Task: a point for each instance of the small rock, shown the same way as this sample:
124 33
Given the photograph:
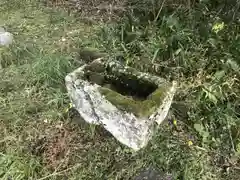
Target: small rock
6 38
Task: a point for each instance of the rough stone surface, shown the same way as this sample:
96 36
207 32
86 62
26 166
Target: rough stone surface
127 126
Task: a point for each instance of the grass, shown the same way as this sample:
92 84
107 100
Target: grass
38 140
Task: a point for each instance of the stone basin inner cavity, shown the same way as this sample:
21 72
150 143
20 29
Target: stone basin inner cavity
127 88
124 84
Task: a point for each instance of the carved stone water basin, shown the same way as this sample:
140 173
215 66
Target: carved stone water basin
126 102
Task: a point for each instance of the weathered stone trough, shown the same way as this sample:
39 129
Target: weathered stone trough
128 103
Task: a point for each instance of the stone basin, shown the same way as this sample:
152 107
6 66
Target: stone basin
128 103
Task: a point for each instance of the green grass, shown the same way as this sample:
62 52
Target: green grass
38 140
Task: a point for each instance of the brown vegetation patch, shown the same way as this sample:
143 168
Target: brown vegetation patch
103 10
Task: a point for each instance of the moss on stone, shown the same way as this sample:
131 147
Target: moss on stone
139 108
121 102
95 66
97 78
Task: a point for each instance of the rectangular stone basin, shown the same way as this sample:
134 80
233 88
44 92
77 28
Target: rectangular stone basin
128 103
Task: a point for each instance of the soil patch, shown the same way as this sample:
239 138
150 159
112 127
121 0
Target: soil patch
92 10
